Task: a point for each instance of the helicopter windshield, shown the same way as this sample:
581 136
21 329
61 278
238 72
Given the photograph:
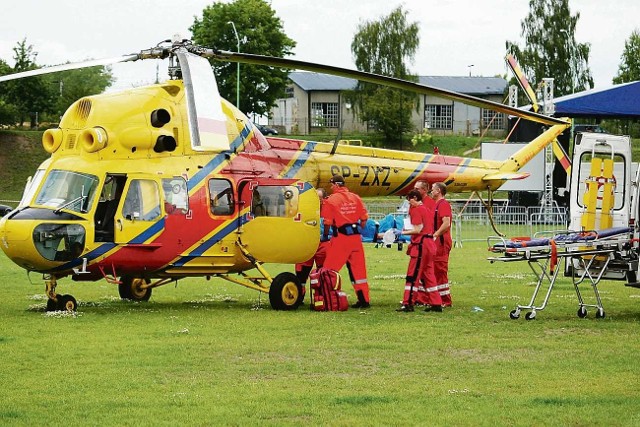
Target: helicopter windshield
31 187
73 191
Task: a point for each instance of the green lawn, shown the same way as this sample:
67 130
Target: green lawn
213 353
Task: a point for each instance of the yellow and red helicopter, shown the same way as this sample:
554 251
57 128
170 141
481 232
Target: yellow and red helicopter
158 183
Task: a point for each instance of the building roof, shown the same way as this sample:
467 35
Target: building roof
467 85
316 81
309 81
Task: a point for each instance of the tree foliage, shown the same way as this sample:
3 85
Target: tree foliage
69 86
629 68
47 96
30 96
384 47
550 48
260 32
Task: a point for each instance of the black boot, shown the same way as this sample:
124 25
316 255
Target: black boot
362 303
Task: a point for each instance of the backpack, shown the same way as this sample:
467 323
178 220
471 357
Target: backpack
326 292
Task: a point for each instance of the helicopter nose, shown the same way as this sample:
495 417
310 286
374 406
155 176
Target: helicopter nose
18 240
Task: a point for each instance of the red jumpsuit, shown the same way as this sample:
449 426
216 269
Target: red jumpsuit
304 268
443 247
420 284
343 210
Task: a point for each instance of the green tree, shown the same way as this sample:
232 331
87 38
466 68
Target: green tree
31 96
69 86
260 32
8 113
550 48
629 68
384 47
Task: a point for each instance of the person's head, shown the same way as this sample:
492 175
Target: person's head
414 197
438 190
321 194
337 181
422 187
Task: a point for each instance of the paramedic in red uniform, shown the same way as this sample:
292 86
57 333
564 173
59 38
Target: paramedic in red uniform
345 211
424 188
442 237
304 268
421 251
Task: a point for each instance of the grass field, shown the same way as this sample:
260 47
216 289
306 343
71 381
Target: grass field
212 353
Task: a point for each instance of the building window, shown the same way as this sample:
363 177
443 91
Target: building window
438 116
324 114
493 120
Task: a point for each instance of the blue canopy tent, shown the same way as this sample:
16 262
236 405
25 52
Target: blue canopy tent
617 102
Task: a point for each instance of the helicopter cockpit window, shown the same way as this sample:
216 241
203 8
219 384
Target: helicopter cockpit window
68 190
279 201
142 201
176 199
221 197
31 187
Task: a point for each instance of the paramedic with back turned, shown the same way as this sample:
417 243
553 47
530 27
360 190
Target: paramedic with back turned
346 212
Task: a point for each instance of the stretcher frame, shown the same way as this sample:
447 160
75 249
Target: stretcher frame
592 256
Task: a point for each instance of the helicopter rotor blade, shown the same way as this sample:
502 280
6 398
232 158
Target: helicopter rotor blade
70 66
379 79
207 122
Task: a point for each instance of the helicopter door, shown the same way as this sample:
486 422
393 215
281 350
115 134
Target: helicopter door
282 220
138 211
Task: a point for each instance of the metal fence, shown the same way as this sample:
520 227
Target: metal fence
471 221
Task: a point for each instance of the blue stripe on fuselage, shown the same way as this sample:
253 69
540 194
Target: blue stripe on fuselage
301 160
417 171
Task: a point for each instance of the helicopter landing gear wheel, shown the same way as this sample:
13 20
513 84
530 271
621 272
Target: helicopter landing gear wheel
514 314
285 291
600 313
582 312
62 303
132 288
530 315
67 303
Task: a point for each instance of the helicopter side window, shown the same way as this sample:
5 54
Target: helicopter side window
176 199
221 197
275 201
142 201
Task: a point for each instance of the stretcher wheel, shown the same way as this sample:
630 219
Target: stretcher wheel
530 315
600 313
515 314
582 312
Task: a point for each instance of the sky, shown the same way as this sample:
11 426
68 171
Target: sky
457 37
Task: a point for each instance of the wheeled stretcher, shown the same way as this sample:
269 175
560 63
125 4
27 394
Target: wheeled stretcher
588 256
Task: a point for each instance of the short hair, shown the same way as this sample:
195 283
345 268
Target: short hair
414 194
422 184
442 187
337 179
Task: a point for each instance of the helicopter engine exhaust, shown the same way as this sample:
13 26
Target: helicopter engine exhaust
160 117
